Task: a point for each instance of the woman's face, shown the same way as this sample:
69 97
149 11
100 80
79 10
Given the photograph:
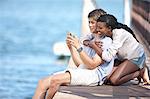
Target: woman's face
92 25
101 28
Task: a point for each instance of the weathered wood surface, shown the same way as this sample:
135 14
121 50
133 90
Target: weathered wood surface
126 91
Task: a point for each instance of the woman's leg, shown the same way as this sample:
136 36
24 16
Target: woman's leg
53 82
107 80
144 75
114 68
116 63
125 72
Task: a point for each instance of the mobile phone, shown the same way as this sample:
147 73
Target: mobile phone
70 34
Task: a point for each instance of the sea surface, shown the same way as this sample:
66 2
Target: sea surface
28 31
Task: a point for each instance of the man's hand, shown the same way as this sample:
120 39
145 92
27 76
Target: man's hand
73 41
67 41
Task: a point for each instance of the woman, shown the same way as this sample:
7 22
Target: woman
125 46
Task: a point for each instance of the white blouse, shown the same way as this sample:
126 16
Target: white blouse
124 45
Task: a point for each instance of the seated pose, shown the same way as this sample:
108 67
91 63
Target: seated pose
94 74
127 49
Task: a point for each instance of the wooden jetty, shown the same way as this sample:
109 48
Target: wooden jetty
140 22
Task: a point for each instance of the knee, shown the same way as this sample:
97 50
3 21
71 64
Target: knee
45 83
41 84
114 81
54 81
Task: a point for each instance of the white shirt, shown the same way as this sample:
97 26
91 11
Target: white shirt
104 69
124 45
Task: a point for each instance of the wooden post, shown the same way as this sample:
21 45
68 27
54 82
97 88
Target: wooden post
127 12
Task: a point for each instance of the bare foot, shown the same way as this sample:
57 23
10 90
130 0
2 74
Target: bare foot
146 83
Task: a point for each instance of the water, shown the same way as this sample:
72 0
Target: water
28 30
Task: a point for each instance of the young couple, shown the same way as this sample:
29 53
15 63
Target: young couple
95 55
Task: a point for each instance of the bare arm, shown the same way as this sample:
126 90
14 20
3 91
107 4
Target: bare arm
74 54
91 63
94 43
76 57
97 47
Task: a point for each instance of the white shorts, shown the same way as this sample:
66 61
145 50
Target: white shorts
83 77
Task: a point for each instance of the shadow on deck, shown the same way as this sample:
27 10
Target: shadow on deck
127 91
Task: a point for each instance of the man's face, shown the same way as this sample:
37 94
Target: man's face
92 25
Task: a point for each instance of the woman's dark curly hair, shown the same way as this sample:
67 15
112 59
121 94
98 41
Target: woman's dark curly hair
112 22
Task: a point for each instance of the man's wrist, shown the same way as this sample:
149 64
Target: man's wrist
80 49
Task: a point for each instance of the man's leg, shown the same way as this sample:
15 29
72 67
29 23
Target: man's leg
52 83
56 82
42 86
